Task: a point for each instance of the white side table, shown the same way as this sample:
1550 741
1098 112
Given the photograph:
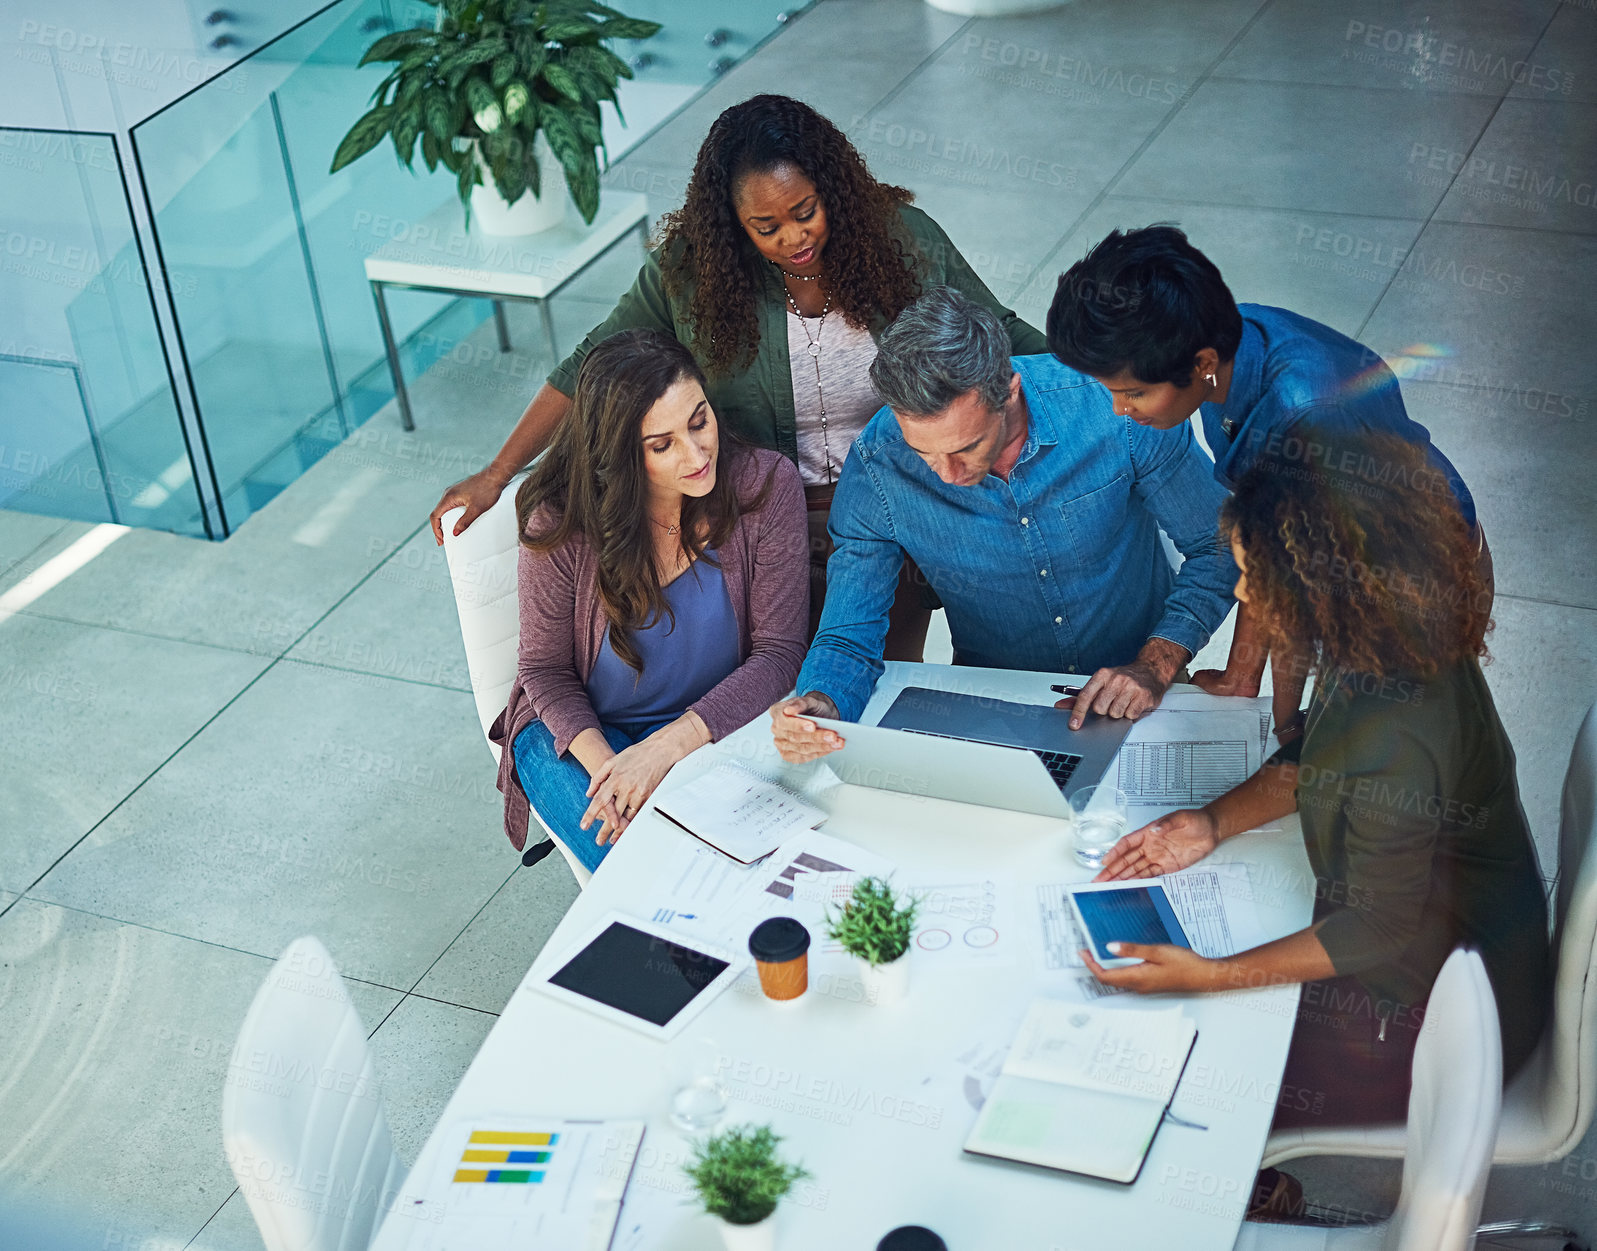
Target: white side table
439 254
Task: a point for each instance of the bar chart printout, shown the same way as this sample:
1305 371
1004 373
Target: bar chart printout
513 1182
506 1157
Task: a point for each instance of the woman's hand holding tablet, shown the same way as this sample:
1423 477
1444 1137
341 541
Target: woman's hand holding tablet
1161 967
1111 915
1136 942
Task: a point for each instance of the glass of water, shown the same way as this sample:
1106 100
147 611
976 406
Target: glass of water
700 1099
1099 823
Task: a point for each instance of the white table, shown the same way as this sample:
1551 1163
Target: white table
439 254
870 1098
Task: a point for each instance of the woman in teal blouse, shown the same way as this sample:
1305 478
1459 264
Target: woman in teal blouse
784 238
1404 782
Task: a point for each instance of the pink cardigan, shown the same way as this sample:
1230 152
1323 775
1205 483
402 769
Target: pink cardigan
765 565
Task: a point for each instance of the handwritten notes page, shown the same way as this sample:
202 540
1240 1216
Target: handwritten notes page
1084 1088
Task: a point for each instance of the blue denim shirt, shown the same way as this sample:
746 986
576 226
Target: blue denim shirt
1059 569
1291 370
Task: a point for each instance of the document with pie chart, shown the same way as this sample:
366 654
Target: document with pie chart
962 922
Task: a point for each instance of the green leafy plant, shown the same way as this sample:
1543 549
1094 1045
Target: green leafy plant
497 73
872 925
739 1176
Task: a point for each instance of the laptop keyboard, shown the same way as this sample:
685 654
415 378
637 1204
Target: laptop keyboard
1060 765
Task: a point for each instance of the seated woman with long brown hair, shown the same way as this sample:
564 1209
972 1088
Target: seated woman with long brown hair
663 588
1404 781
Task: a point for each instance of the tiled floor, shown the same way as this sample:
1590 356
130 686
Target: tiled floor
210 749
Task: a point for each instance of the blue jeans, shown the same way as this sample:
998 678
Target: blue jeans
558 787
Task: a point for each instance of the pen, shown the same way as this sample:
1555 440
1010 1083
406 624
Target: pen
1065 690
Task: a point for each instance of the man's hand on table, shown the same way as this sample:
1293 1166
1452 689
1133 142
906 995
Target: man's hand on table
1130 691
1164 967
797 738
1172 842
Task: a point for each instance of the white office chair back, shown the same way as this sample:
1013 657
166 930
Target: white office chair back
302 1116
482 568
1453 1111
1569 1090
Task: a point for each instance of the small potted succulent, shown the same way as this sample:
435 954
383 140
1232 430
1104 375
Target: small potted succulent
740 1179
505 95
875 928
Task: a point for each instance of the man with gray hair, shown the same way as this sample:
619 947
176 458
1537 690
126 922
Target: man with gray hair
1033 511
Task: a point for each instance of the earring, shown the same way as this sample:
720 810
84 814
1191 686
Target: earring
1211 380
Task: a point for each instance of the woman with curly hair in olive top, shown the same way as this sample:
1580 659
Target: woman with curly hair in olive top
785 261
1404 781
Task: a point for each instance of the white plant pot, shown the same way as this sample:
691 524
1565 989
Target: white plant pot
885 983
492 215
760 1237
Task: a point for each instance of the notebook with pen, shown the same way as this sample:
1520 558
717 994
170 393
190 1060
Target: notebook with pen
1084 1089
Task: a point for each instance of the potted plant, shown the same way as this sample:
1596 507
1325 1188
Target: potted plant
875 929
493 87
740 1180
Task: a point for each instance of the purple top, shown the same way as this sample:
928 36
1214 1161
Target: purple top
765 567
683 659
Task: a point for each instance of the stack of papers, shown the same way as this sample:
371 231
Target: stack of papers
1084 1088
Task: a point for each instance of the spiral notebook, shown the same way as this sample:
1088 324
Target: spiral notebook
739 813
1084 1089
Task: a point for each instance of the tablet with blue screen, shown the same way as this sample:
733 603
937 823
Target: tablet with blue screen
1125 912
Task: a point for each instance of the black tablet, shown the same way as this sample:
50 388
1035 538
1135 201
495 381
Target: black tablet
640 975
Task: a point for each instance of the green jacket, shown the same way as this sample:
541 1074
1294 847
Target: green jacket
757 402
1411 813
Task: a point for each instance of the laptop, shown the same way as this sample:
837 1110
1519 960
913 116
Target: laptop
977 750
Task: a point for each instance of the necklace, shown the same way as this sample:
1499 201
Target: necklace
669 529
815 355
796 277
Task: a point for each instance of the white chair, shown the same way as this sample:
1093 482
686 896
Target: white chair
1547 1109
302 1114
1453 1112
482 569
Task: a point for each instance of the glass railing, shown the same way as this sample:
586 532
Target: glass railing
87 422
53 461
274 321
255 306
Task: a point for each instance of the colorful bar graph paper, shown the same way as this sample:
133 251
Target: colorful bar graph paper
489 1146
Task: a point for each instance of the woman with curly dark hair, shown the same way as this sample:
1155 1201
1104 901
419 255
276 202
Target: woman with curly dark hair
785 261
1403 780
